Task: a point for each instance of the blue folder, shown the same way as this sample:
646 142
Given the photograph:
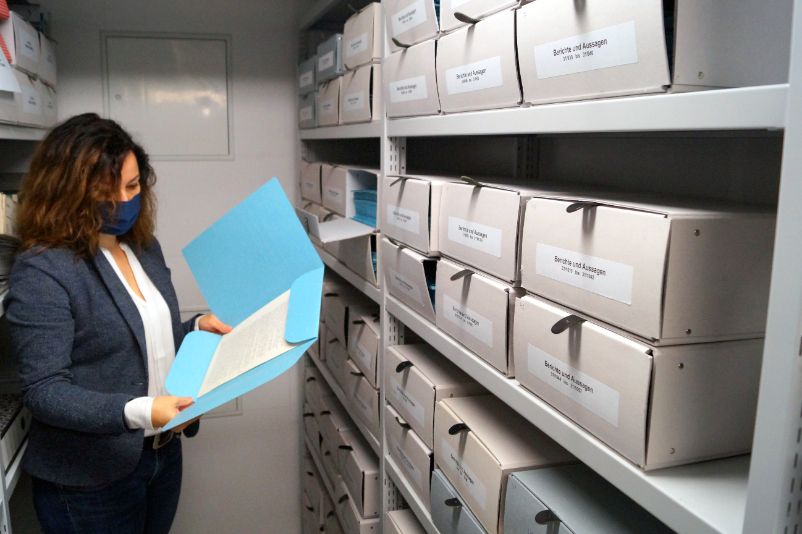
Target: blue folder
250 256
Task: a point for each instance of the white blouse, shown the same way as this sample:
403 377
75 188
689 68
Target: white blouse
159 342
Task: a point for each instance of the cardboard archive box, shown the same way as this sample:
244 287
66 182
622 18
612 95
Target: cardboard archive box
478 442
416 378
450 513
457 13
476 310
612 48
360 472
310 181
360 95
477 66
409 22
352 521
363 399
363 343
402 522
362 42
656 406
410 81
339 184
9 87
671 273
307 110
22 42
411 207
359 254
307 76
409 277
49 104
337 359
409 452
328 103
330 59
48 70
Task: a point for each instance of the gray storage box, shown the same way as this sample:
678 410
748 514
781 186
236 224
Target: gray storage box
572 499
307 111
450 514
307 80
330 58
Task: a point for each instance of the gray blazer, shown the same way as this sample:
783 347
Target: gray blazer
80 345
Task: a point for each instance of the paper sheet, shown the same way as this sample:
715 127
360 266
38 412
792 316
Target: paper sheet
254 341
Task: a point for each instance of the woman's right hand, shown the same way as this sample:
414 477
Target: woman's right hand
166 407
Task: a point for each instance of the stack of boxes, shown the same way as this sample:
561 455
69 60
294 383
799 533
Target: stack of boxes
487 54
27 74
347 74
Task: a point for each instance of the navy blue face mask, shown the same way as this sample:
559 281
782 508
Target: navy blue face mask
123 220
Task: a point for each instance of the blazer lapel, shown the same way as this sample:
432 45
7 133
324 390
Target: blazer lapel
123 301
157 271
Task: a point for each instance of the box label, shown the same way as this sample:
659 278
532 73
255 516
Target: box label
406 402
326 61
581 388
405 287
356 45
468 320
476 236
466 477
305 114
31 102
307 78
29 42
408 466
408 90
477 76
600 49
354 101
604 277
327 107
407 220
411 16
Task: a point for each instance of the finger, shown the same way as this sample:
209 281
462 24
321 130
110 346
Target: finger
184 402
220 326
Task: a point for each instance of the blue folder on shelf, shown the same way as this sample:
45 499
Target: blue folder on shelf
249 257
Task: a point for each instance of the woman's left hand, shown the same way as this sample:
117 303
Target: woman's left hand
210 323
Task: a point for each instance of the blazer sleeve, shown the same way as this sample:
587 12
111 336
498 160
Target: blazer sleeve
42 330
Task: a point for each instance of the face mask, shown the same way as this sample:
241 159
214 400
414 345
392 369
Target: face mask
123 220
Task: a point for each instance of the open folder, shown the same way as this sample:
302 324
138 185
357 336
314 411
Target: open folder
259 273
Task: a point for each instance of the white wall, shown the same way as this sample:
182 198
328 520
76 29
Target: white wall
241 472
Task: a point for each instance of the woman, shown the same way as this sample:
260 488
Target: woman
95 326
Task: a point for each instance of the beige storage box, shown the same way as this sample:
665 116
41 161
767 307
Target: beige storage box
48 71
674 273
49 104
411 206
358 253
457 13
408 22
479 441
332 524
416 377
337 360
363 399
362 41
30 109
408 276
316 391
450 514
352 522
476 66
600 48
360 472
22 43
310 515
360 95
402 522
409 452
328 103
307 75
363 344
336 303
339 183
410 81
476 310
311 427
9 87
307 110
657 406
310 181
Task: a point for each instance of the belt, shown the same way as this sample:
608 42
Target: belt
158 441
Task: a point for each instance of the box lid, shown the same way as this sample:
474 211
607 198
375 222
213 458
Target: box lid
432 365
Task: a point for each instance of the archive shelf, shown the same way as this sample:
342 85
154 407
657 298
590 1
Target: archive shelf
708 497
749 108
338 392
328 487
345 131
418 507
14 471
371 291
13 132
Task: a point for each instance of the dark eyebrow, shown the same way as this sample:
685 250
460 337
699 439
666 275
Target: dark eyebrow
133 180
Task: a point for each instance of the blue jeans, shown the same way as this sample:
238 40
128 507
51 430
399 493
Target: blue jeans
143 502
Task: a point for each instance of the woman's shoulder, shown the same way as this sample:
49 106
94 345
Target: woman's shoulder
55 261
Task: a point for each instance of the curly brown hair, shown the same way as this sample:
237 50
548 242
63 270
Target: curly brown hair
73 172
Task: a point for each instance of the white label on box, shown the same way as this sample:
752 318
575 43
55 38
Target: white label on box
581 388
474 235
467 477
356 45
327 107
29 43
307 78
354 101
408 466
600 49
477 76
326 61
466 319
597 275
305 114
412 15
31 101
408 90
406 402
405 286
407 220
334 193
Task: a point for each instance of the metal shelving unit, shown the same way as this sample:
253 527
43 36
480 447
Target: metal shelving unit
14 471
744 494
13 132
